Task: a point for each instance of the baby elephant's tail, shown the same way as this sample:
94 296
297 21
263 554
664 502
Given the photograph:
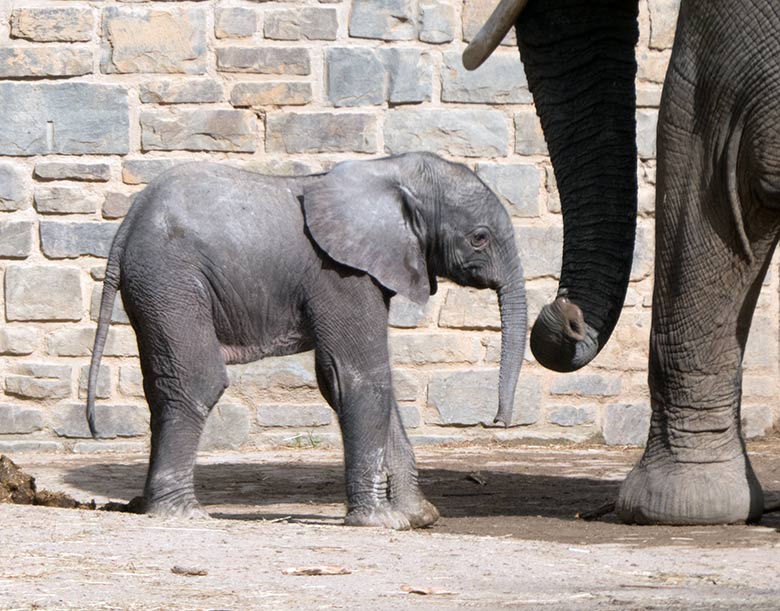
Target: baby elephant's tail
110 288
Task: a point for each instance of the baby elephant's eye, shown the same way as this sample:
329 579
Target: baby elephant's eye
479 239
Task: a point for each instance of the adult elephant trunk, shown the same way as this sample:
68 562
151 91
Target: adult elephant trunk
580 64
514 323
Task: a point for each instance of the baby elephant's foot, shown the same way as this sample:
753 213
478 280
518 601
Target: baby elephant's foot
420 514
397 517
188 509
382 516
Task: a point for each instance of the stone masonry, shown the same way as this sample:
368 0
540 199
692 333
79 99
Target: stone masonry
97 97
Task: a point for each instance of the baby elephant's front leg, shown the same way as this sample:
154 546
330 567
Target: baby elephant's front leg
380 470
381 474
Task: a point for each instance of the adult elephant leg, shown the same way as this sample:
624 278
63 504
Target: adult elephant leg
353 372
712 252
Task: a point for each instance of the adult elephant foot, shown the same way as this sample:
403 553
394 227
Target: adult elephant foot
678 493
397 517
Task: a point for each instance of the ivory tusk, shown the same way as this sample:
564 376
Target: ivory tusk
492 33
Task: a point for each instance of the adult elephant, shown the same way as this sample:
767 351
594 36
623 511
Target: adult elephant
718 191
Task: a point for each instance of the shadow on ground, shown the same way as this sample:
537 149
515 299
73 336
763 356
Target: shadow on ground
498 493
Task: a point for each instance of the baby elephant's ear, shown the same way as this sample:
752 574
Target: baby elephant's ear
358 215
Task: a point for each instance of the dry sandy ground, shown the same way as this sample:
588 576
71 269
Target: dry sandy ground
508 539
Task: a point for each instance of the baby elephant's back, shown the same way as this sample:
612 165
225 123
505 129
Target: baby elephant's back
218 216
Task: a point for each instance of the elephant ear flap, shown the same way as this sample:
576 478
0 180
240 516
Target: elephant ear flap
360 217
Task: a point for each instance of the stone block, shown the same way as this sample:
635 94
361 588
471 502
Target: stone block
471 309
529 138
264 60
44 62
652 66
475 14
17 341
258 95
227 428
111 421
199 130
356 77
131 381
410 75
757 420
500 80
15 239
586 385
65 200
302 416
118 314
458 133
65 170
626 424
12 448
438 21
103 390
663 22
406 384
467 398
761 348
644 251
551 187
39 381
116 205
421 349
71 240
13 190
296 133
763 387
20 419
292 372
141 40
406 314
143 171
305 23
383 20
519 186
46 24
63 118
193 91
540 250
646 123
235 22
410 416
43 293
648 95
78 341
110 447
571 415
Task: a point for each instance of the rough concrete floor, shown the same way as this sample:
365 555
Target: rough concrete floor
508 539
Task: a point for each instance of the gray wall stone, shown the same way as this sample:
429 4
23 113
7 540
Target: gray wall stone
295 133
462 133
13 194
626 424
199 130
61 240
43 293
264 60
64 118
227 428
111 421
20 419
15 239
383 20
52 24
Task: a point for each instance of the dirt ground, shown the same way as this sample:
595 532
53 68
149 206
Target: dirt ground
508 539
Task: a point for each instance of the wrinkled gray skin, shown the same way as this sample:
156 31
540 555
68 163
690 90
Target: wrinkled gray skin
219 266
717 224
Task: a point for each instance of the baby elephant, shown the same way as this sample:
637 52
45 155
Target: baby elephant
219 266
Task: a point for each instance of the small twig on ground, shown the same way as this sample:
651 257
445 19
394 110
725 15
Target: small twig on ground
596 513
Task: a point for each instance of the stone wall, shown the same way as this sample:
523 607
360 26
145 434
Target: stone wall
97 97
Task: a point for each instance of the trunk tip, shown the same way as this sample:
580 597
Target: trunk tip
561 340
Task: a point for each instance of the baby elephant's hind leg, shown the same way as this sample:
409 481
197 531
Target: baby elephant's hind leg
184 376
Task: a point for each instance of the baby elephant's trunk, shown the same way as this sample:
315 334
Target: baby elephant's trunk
514 324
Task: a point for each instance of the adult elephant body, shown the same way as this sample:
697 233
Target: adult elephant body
219 266
718 193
